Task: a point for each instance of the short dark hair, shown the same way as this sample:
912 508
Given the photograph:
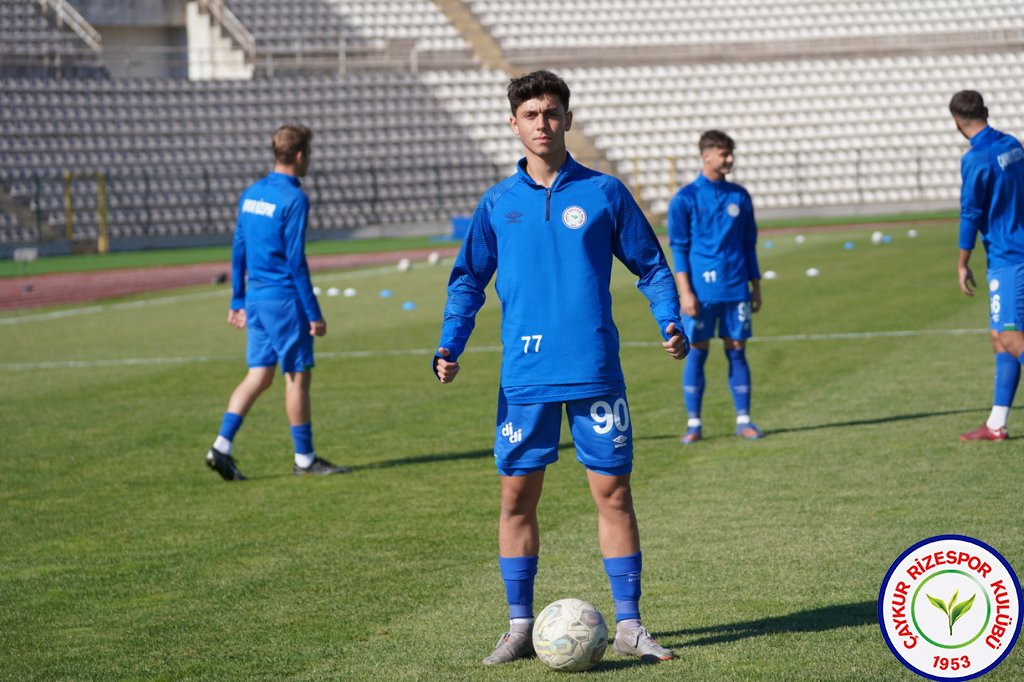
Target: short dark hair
534 85
289 140
710 139
968 105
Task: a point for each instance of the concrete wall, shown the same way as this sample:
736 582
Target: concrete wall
132 12
141 38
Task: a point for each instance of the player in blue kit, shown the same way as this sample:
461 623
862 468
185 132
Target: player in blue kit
551 231
713 237
992 205
276 304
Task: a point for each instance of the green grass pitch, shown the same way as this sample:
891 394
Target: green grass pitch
123 557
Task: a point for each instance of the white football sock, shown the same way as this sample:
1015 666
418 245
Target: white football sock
305 461
742 419
997 419
520 624
693 423
222 444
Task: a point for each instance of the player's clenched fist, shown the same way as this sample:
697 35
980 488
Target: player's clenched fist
444 369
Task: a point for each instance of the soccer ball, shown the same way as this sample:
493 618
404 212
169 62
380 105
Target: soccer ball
570 635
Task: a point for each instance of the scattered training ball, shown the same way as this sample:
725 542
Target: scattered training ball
333 291
876 237
769 274
848 246
317 291
799 239
404 265
434 258
812 272
911 233
385 293
349 292
408 305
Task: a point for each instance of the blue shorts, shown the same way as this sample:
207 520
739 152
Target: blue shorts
278 332
526 436
1006 299
731 321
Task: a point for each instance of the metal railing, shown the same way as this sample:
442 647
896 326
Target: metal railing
230 23
69 16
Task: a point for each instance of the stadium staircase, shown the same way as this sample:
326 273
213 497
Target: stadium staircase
230 49
489 53
485 48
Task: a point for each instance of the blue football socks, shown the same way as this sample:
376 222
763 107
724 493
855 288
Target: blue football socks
693 381
739 380
302 435
519 574
228 428
624 577
230 424
1007 378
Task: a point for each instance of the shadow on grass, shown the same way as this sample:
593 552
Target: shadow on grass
815 620
832 425
425 459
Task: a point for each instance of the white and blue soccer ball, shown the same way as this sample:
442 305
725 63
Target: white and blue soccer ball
570 635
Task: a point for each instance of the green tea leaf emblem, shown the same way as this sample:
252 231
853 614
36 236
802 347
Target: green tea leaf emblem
953 611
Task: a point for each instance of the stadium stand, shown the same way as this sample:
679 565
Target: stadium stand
36 40
837 107
325 30
176 154
612 30
810 133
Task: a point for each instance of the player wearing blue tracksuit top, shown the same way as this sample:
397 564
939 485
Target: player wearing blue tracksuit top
269 246
992 205
550 233
272 299
713 237
556 246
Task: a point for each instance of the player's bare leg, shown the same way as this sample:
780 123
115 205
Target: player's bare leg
256 381
518 536
1007 376
297 407
619 536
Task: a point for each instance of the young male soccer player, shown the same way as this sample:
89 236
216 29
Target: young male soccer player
276 306
550 231
713 238
992 204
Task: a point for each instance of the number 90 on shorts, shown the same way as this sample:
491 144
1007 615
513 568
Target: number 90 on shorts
527 436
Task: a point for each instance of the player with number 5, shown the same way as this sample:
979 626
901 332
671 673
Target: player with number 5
713 238
551 231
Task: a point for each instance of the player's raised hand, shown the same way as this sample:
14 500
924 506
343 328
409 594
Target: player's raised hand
677 345
444 369
967 283
236 318
318 328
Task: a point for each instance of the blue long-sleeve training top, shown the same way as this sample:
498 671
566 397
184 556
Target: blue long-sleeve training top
992 197
713 237
270 245
552 249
